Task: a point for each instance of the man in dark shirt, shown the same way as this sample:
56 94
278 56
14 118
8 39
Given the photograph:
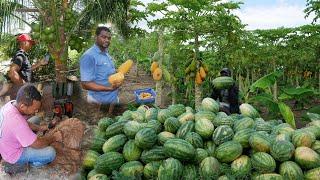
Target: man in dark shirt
228 98
20 71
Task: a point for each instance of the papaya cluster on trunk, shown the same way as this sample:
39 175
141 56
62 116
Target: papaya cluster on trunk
196 70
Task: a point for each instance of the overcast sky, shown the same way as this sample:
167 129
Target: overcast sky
268 14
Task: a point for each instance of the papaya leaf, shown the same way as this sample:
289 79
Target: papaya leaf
287 114
266 81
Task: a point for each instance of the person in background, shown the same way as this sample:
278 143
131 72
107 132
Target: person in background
20 70
19 145
96 65
228 98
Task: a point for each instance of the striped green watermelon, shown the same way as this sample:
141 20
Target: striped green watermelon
132 168
200 155
185 129
241 167
179 149
194 139
89 159
155 125
303 138
209 104
210 147
269 176
151 113
145 138
131 128
243 123
283 128
164 136
224 120
99 177
190 172
177 109
163 114
154 154
263 126
142 108
204 115
151 169
131 152
263 162
316 146
209 168
290 170
138 116
104 123
170 169
260 142
115 129
282 150
171 124
283 137
91 173
313 129
108 162
248 111
97 143
307 158
312 174
114 143
223 82
222 134
242 136
204 128
228 151
127 115
187 116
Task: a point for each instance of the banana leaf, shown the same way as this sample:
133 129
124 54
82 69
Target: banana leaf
287 114
266 100
266 81
296 93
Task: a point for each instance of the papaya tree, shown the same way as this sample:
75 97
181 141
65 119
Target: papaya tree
57 21
191 22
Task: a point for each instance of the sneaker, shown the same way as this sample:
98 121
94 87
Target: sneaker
14 168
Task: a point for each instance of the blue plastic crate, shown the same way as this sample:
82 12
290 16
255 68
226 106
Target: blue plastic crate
137 92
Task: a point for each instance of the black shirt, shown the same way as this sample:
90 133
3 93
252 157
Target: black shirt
22 60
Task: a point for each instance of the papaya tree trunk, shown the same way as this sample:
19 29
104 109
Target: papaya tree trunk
197 88
159 83
297 78
174 94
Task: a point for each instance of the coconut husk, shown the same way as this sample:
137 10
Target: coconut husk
68 152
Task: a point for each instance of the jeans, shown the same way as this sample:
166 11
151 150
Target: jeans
37 157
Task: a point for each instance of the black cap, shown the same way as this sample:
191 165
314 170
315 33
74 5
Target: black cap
225 72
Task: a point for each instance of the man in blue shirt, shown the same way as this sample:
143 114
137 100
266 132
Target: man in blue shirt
96 65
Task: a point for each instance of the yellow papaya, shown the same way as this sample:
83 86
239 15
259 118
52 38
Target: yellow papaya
116 78
125 67
202 73
154 66
198 79
157 74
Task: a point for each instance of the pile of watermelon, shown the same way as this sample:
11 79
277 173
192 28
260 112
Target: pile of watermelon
181 143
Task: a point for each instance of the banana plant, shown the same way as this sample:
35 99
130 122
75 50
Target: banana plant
262 88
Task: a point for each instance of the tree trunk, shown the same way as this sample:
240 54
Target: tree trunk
159 83
197 88
297 78
174 94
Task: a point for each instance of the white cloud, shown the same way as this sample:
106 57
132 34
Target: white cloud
280 15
